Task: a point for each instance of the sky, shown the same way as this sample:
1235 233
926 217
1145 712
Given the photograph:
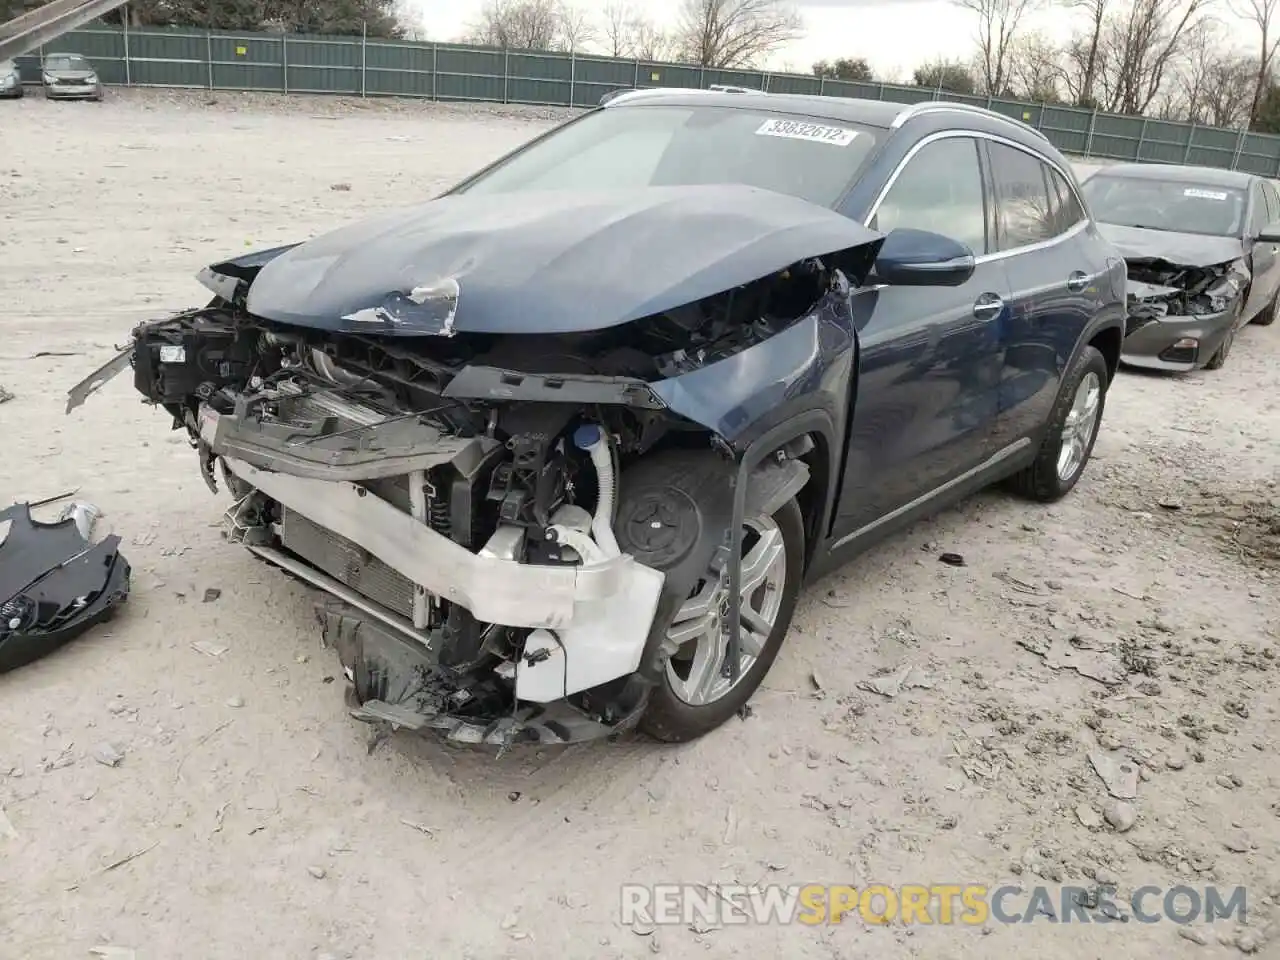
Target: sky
894 36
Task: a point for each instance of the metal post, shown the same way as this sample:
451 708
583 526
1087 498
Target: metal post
284 60
767 77
822 85
881 89
1040 116
506 74
364 60
208 53
635 83
128 76
573 76
435 71
1235 159
702 78
1088 143
1191 139
1142 138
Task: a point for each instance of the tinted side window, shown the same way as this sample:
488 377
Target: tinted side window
1067 211
940 189
1022 197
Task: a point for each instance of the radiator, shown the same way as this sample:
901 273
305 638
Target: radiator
347 562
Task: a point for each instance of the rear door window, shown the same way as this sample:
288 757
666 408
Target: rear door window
940 190
1023 208
1066 208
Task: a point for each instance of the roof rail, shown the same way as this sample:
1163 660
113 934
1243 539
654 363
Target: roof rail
639 93
945 106
730 88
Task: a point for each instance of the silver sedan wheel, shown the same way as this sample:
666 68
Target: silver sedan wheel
1080 426
698 671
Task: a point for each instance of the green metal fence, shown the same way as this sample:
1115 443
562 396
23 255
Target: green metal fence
295 63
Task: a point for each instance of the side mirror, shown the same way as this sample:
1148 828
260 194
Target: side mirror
1270 233
920 258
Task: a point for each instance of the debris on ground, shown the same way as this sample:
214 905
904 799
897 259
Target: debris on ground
111 952
84 515
952 559
1120 776
1121 815
890 685
1088 816
1077 653
211 594
7 831
5 395
209 648
54 584
108 754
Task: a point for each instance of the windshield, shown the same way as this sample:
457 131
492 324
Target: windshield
7 67
641 146
66 62
1166 205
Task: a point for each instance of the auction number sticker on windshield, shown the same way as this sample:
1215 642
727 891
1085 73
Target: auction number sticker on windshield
801 130
1201 194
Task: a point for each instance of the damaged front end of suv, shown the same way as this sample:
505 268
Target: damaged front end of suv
459 421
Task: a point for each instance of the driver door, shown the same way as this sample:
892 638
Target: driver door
927 390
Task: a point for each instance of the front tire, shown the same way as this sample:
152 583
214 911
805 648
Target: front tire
1268 315
1072 431
693 696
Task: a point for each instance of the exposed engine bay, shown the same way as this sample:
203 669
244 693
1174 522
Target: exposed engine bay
1159 289
457 496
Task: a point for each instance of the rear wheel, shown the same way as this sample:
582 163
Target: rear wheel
695 694
1073 429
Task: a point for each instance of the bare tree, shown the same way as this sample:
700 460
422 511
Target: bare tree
1262 14
1035 69
574 28
618 22
734 33
517 25
998 24
1139 49
629 33
1084 51
652 43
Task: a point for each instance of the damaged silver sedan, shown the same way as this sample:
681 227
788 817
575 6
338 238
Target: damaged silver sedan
562 446
1202 251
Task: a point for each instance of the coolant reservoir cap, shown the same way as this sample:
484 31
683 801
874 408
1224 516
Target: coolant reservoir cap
586 436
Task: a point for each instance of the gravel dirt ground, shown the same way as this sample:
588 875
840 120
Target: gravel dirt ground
1137 621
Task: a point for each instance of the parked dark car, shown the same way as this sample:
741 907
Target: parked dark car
10 81
69 76
564 444
1203 252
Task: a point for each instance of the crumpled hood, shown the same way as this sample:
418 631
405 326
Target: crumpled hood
1181 249
550 262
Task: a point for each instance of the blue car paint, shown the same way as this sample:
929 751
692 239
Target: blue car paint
912 390
807 366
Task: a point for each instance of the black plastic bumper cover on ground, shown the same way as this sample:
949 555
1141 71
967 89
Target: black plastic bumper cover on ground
53 585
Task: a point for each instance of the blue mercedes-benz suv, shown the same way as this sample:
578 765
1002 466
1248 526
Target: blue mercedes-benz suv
563 445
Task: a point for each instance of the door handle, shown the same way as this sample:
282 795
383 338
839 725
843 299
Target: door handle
1077 281
988 306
